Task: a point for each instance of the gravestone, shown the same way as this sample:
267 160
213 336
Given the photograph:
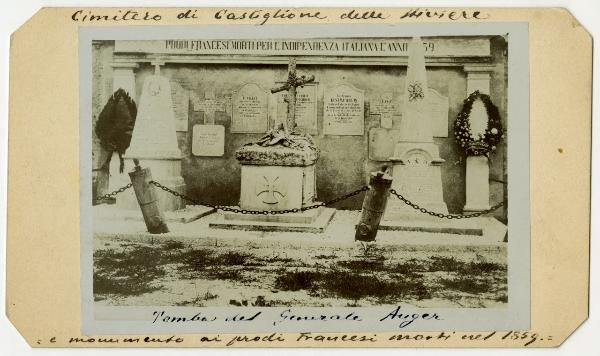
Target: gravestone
343 110
416 160
306 107
250 110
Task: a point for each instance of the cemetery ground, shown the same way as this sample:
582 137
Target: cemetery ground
195 265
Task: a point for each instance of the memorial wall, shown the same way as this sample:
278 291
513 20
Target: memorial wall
352 109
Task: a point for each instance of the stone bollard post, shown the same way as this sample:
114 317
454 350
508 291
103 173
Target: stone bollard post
147 199
373 206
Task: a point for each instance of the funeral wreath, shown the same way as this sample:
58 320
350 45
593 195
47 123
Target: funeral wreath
115 125
484 143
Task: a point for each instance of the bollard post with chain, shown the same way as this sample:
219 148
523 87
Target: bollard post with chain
373 207
147 199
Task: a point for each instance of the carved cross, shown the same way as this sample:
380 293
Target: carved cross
270 189
209 106
290 86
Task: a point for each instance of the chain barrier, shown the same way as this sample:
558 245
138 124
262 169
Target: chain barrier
444 216
309 207
260 212
114 193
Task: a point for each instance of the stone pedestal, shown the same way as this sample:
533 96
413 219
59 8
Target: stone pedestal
418 177
276 187
478 171
477 181
277 178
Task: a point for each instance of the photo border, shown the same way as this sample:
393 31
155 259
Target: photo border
517 313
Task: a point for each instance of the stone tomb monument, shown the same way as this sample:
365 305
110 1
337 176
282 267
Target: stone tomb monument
154 144
416 160
278 173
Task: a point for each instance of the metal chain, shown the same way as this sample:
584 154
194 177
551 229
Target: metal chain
444 216
315 206
260 212
114 193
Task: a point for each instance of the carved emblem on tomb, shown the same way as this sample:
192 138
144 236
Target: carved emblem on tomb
268 190
417 158
415 91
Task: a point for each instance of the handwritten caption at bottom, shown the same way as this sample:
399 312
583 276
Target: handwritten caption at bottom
288 316
509 338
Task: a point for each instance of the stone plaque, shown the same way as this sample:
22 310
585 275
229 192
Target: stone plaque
181 99
386 106
250 110
343 110
208 140
306 107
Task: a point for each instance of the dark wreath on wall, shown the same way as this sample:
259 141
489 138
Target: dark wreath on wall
486 142
115 125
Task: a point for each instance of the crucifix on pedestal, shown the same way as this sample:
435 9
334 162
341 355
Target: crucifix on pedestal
290 86
278 174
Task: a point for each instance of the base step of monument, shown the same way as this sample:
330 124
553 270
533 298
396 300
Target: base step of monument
309 221
459 227
487 228
186 215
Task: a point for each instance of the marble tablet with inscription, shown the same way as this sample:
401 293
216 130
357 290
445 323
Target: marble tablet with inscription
208 140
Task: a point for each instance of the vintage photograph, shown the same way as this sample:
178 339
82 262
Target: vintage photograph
325 171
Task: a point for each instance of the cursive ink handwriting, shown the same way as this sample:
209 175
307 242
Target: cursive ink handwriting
441 14
408 319
287 315
263 16
121 15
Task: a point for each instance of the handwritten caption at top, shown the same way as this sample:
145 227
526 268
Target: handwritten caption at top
264 16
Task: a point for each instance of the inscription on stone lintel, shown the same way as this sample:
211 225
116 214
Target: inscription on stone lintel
356 47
